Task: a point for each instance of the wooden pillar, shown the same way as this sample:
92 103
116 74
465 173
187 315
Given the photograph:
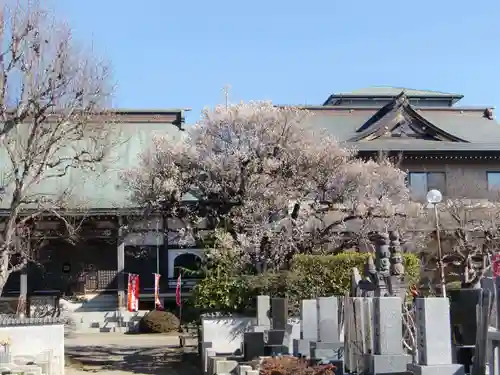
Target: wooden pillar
120 248
164 248
23 292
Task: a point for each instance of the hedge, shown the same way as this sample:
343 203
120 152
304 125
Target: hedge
331 274
310 276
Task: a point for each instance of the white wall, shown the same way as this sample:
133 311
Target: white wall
35 340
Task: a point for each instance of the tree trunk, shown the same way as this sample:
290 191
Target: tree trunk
4 269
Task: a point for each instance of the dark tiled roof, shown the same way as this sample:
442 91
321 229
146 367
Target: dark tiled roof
421 145
340 124
469 125
457 128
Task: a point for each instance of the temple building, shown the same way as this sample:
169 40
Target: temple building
443 145
97 258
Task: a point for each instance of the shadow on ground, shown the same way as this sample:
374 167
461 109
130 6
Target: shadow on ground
138 360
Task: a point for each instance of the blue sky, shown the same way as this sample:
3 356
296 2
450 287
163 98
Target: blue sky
172 54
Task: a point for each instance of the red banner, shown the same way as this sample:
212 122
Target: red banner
157 292
178 291
133 292
495 264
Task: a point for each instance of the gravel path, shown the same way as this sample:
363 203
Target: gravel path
119 354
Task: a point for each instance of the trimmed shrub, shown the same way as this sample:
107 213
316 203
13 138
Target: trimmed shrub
220 292
310 276
320 275
159 322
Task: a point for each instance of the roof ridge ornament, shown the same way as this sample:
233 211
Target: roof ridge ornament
401 99
488 113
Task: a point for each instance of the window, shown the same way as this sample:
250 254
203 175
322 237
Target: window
422 182
493 180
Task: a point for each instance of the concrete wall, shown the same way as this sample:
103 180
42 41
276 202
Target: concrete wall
34 338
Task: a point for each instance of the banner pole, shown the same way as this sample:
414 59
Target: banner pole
180 301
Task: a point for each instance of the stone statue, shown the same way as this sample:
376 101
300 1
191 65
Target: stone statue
385 276
397 279
383 254
397 267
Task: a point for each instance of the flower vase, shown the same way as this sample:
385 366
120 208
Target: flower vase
5 356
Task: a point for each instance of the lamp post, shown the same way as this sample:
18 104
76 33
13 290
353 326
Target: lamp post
434 197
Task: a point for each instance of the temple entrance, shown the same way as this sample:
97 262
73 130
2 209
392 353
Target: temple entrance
141 260
88 266
188 265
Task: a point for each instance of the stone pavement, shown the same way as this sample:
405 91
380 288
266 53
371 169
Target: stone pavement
120 354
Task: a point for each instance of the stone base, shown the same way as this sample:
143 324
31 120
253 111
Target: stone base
225 367
275 350
207 353
211 364
453 369
339 365
302 348
275 337
242 369
333 351
260 328
387 363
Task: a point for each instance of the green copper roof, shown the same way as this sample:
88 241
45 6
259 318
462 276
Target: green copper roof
103 189
394 91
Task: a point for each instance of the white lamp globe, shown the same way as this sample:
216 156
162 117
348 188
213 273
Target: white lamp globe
434 196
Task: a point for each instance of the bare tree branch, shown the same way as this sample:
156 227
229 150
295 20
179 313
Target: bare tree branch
53 97
273 185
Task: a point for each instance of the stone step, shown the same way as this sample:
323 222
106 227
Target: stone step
111 321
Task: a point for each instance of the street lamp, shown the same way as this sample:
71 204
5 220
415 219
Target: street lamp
434 197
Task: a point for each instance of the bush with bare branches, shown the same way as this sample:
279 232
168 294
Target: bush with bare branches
469 223
52 101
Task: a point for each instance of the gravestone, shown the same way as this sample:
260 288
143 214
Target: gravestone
253 345
388 356
309 325
328 349
480 351
434 338
464 304
309 317
279 313
328 319
264 311
275 343
463 315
